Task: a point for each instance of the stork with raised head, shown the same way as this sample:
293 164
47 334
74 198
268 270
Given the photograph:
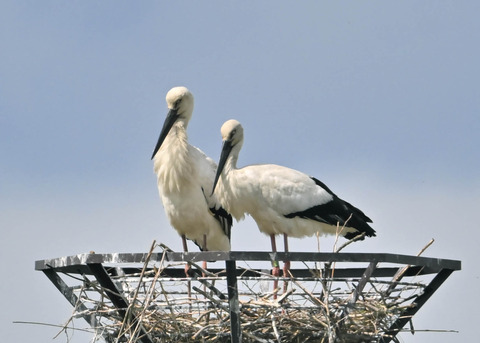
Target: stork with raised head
281 200
185 177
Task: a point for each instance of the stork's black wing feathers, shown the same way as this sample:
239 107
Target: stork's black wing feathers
224 218
337 211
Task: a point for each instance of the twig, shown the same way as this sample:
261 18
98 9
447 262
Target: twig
63 327
274 326
401 272
354 239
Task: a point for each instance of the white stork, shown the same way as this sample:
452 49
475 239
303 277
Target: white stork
185 177
281 200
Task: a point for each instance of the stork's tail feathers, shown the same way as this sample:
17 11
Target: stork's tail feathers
337 212
358 221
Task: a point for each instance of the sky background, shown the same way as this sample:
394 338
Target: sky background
378 99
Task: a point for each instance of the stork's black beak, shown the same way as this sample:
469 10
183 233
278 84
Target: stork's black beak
226 149
167 125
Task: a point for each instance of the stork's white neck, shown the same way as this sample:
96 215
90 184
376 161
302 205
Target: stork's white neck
228 191
230 164
172 162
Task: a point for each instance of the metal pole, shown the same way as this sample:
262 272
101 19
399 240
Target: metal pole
235 328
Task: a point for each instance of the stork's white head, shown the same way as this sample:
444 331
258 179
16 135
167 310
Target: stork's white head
180 106
232 131
180 99
232 136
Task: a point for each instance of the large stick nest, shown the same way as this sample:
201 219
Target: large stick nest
320 308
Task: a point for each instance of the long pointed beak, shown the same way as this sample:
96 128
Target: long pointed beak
226 149
167 125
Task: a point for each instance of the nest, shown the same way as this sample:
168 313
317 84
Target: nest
320 308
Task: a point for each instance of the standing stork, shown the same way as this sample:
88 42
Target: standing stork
281 200
185 177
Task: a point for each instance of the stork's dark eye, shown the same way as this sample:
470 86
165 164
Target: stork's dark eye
176 105
232 133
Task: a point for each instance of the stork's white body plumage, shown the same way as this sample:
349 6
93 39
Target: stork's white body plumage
268 192
185 177
281 200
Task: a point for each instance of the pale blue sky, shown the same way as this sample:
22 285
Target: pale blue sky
379 99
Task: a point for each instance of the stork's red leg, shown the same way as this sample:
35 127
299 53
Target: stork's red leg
187 266
286 263
275 267
204 264
185 249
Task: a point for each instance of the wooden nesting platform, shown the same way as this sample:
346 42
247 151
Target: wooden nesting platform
329 297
